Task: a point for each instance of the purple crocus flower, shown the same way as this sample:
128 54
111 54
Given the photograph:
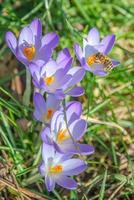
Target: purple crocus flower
56 168
65 138
31 46
93 57
58 77
44 110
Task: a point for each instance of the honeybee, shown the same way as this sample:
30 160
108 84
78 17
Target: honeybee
100 58
105 60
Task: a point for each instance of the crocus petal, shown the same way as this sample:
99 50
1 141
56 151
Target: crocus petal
73 167
60 73
40 106
63 54
93 36
50 39
57 148
76 148
115 62
59 94
85 149
45 134
59 158
52 102
63 82
57 121
34 70
100 73
50 68
36 28
21 58
98 69
60 82
78 52
37 115
39 101
35 81
42 168
44 54
26 35
65 64
89 50
50 183
87 67
78 128
108 43
66 182
48 151
73 111
77 75
11 41
75 92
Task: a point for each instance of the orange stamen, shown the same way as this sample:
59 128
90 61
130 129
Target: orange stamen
29 52
62 135
56 169
47 116
49 113
49 80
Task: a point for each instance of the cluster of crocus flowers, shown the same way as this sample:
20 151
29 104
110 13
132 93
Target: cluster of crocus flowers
54 79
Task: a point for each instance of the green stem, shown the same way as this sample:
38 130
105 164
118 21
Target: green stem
89 94
27 93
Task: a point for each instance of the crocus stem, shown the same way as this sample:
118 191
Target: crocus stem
90 86
65 118
27 93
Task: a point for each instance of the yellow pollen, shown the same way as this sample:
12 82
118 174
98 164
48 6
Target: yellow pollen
29 52
62 135
47 116
91 59
49 80
56 169
49 113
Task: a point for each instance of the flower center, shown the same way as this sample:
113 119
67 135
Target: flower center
49 113
29 52
49 80
47 116
56 169
62 135
91 59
